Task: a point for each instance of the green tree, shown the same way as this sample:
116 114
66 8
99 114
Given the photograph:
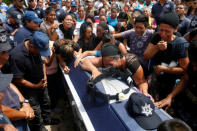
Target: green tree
8 2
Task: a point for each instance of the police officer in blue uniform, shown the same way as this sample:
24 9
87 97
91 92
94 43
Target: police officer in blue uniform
18 5
14 104
31 24
14 21
28 69
33 7
54 4
4 121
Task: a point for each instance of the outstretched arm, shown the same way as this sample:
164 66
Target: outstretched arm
141 82
63 63
91 64
118 35
180 86
122 48
84 54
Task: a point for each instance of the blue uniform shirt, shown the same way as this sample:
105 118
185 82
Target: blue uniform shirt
158 10
184 25
11 99
39 11
10 28
14 8
4 119
24 64
22 34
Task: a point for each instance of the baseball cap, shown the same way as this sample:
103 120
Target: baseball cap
30 15
41 42
53 1
4 42
73 3
141 108
110 50
15 15
5 80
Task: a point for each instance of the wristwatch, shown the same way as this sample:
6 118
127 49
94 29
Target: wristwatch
24 101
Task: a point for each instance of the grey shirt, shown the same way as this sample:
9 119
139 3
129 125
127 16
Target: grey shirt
138 44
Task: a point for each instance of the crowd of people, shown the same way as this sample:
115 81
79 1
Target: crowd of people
155 39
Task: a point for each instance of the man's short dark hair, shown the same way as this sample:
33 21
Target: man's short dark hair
142 19
173 125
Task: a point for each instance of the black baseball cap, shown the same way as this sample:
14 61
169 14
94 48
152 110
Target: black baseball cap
5 80
110 50
15 15
142 109
4 42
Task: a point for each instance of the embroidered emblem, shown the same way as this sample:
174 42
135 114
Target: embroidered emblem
3 38
147 110
19 16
